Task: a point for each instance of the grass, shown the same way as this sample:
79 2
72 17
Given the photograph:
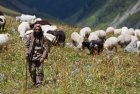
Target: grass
68 70
9 11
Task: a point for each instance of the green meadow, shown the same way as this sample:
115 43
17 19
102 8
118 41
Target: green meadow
68 70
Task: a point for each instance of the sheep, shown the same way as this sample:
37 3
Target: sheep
18 18
131 47
84 32
137 32
22 28
4 38
76 39
101 34
134 46
110 30
138 47
111 43
26 35
60 37
2 22
50 37
46 28
131 31
42 22
93 36
134 38
124 30
117 31
93 45
124 39
38 19
27 18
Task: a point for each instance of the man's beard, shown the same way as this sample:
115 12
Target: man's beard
38 34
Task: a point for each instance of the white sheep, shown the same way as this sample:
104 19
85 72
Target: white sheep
28 18
134 38
46 28
117 31
137 32
76 39
84 32
93 36
4 38
38 19
138 47
26 35
18 18
131 31
111 43
124 30
22 28
110 30
124 39
101 34
48 36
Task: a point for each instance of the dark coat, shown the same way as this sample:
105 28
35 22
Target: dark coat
29 45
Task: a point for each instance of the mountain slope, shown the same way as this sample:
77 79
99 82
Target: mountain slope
107 13
9 11
94 13
23 7
130 17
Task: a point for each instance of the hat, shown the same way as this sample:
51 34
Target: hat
37 25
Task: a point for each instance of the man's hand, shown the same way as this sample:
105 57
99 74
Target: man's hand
27 57
41 60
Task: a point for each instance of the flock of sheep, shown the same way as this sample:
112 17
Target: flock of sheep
27 22
52 32
98 40
107 40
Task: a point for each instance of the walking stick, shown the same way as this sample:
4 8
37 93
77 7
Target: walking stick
26 84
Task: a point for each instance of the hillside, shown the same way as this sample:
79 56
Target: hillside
106 15
23 7
68 70
94 13
8 11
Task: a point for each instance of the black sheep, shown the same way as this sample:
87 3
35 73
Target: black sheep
93 45
60 37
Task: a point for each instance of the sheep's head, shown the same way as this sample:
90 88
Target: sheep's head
85 44
7 34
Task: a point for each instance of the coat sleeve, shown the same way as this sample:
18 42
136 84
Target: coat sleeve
27 44
46 47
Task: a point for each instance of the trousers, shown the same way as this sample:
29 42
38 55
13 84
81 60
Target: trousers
36 71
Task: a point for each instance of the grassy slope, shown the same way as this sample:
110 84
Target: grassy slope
75 71
8 11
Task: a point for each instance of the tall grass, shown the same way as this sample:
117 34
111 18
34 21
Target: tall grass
68 70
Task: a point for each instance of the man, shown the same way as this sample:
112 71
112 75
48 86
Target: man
37 48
